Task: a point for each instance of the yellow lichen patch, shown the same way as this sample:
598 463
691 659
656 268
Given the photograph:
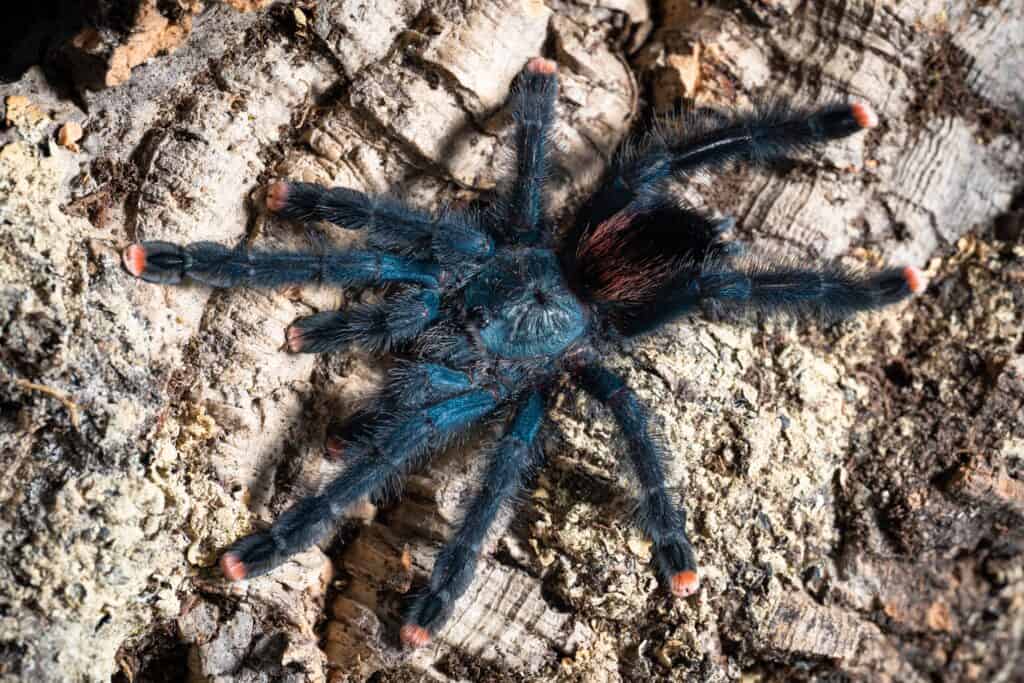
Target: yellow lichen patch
21 112
151 34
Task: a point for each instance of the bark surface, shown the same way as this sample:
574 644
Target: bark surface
856 490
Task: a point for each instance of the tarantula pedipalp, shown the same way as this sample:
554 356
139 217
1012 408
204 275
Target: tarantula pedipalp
495 306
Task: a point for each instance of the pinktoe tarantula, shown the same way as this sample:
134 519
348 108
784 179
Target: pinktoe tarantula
492 307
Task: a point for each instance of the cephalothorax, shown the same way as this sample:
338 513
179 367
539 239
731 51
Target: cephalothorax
493 307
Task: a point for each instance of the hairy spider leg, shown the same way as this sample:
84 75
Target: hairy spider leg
415 384
534 111
831 291
509 464
219 266
390 224
410 385
374 466
350 209
711 142
657 515
770 135
375 327
458 351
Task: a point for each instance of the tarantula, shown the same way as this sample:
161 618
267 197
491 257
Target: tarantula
495 305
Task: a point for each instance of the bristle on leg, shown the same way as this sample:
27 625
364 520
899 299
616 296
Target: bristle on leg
685 583
232 567
414 635
916 280
864 115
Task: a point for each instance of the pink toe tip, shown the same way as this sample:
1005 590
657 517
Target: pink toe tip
916 280
414 635
295 341
864 115
335 447
134 258
232 567
685 583
539 65
277 195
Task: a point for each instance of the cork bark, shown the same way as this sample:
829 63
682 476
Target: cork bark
856 491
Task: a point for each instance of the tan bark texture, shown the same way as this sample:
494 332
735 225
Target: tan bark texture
856 490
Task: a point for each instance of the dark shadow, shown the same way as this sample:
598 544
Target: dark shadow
34 36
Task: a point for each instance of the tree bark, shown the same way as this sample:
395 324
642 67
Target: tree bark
856 491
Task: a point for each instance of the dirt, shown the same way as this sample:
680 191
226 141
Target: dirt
943 89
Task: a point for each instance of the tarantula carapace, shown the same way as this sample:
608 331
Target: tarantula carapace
492 306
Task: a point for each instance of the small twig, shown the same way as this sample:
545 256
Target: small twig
55 393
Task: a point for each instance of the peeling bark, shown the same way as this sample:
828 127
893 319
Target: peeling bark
855 491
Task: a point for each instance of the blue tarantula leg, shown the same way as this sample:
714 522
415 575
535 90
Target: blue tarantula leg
391 224
347 208
833 292
534 111
375 463
410 386
758 137
417 384
459 241
455 564
374 328
771 136
219 266
657 515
